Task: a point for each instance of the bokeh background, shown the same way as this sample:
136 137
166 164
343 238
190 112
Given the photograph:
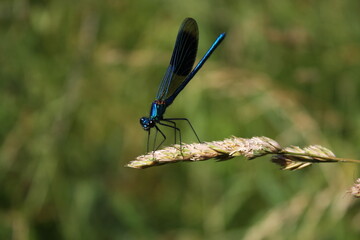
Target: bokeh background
76 76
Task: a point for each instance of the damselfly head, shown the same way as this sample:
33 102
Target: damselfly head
146 123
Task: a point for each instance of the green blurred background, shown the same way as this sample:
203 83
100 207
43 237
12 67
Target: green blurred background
76 76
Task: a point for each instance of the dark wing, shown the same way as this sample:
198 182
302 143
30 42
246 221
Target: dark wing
182 60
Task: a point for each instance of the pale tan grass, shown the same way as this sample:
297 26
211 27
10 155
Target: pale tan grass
289 158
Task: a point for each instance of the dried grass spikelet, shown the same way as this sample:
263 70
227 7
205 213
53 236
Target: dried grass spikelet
355 189
289 158
293 157
219 150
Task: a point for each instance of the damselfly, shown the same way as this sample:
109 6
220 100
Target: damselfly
177 76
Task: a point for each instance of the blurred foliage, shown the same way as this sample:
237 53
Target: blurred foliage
76 78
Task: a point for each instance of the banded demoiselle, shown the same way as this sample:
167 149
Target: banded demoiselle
177 76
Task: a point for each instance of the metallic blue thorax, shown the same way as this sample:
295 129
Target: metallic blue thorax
157 110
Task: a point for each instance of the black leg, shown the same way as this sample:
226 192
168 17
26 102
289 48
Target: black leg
154 142
184 119
174 127
148 140
164 137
